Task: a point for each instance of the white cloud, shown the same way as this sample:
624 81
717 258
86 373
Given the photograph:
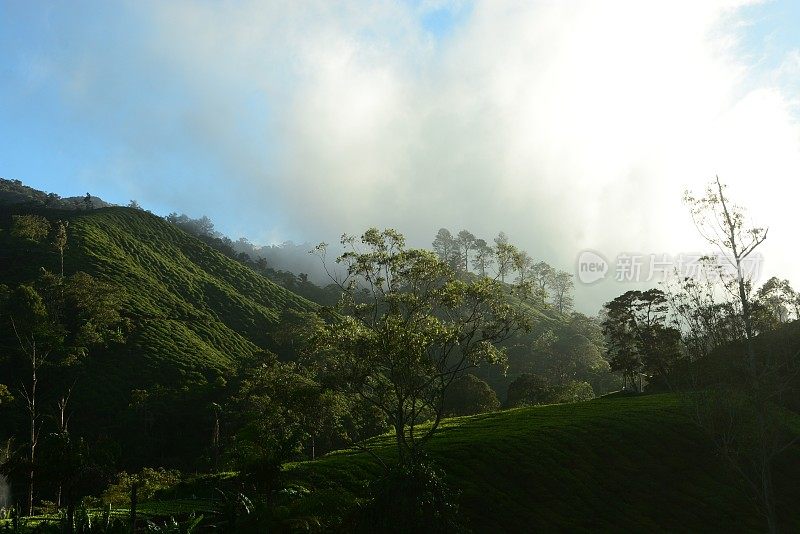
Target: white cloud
569 125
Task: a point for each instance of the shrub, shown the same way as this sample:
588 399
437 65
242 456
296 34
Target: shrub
33 227
528 390
412 497
574 392
468 395
149 482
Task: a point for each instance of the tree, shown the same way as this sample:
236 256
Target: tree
542 274
280 406
561 286
54 324
758 435
778 299
469 395
484 256
133 204
505 253
33 227
406 328
528 390
705 320
87 201
569 355
522 264
38 335
446 248
639 340
466 243
77 469
60 241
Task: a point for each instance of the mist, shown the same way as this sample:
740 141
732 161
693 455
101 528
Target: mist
570 126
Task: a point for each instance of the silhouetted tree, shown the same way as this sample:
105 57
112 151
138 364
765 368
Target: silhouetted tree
561 286
484 256
758 436
466 243
446 248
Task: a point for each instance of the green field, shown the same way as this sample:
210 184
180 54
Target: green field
635 463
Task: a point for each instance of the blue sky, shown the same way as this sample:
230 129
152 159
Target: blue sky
301 120
51 142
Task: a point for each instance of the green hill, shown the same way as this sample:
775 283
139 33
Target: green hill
196 313
615 463
197 316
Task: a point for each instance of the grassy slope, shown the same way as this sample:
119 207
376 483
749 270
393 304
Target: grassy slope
195 306
633 462
197 313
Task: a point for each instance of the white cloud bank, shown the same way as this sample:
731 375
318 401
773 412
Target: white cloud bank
568 125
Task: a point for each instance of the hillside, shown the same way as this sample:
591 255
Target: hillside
193 308
197 315
634 463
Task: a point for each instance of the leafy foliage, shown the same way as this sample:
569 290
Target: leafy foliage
468 395
407 326
412 497
33 227
148 481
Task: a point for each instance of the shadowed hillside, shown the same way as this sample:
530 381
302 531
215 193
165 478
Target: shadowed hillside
636 462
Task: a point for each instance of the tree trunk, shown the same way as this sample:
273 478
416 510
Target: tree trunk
70 517
32 412
134 502
769 501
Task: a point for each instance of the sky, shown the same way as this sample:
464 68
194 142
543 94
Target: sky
571 126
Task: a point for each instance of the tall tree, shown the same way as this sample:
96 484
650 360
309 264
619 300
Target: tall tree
60 241
723 224
639 339
446 248
541 275
38 336
504 253
408 327
561 286
54 323
484 256
778 298
522 264
466 244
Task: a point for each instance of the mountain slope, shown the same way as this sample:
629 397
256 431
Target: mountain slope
192 307
197 318
180 289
